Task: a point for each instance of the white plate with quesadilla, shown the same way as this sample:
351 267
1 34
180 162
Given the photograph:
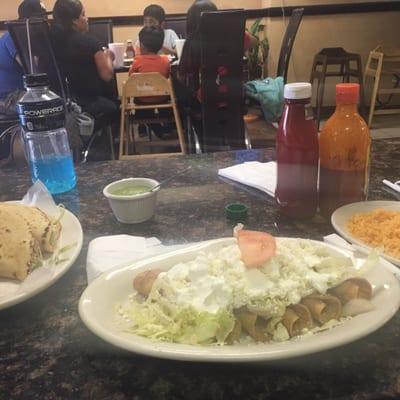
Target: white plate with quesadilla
109 308
35 250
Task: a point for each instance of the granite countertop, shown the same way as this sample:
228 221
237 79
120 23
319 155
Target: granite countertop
47 353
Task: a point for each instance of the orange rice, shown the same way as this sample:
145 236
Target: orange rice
378 228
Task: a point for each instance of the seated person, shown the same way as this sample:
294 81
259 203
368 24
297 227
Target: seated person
154 15
151 40
87 66
11 72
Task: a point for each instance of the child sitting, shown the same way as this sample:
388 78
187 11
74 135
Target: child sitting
151 40
154 16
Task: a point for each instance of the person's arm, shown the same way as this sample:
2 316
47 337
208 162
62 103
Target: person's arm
250 41
88 47
103 60
18 60
134 67
166 66
170 42
253 41
166 51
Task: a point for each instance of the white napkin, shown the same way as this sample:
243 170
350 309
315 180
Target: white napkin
395 186
107 252
338 241
259 175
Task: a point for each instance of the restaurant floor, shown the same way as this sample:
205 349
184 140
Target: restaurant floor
261 133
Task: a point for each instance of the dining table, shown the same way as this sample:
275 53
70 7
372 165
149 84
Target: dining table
46 351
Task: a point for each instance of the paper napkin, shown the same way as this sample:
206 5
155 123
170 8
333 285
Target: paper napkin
258 175
107 252
395 186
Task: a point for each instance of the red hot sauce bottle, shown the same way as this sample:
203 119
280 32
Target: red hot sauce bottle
297 154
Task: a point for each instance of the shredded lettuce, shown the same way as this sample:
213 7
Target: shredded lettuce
187 326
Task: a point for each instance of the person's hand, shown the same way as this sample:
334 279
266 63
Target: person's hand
166 50
109 53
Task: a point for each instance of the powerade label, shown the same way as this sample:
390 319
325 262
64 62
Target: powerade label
42 115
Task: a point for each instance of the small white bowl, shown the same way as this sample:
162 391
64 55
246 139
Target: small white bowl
136 208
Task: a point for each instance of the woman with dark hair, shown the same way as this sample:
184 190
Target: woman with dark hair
190 60
87 66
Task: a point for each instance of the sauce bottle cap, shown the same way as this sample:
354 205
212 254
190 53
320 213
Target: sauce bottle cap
299 90
347 93
35 80
236 211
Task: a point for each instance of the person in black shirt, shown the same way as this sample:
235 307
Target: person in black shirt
87 66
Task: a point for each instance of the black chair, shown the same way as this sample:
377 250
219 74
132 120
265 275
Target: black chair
221 70
178 25
42 58
102 30
288 41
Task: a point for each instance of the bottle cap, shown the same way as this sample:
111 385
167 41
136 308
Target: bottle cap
299 90
236 211
36 80
347 93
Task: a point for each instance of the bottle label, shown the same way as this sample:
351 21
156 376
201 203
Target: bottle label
308 112
42 115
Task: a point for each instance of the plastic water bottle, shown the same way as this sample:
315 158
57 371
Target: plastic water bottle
42 116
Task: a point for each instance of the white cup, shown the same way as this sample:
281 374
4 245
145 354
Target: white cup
119 52
179 43
136 208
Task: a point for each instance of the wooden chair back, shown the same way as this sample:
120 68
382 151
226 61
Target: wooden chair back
150 84
146 85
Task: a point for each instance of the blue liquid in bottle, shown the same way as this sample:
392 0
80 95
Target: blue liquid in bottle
56 172
42 116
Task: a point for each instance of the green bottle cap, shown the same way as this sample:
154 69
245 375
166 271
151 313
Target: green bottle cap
236 211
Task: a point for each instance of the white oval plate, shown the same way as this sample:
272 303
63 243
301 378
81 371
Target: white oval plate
97 310
343 214
13 292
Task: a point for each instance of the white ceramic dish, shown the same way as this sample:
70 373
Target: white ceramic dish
13 292
343 214
97 310
133 209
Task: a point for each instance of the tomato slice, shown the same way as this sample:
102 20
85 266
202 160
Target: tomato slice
256 247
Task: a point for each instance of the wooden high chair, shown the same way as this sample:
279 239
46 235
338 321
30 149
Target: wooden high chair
382 61
148 84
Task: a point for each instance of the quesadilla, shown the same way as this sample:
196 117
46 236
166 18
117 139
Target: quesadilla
19 250
45 230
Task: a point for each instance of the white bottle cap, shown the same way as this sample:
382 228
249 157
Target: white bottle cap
300 90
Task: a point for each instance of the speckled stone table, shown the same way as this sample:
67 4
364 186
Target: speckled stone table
47 353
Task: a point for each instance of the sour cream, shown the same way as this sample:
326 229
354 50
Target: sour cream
218 281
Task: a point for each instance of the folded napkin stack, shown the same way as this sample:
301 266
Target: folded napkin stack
258 175
107 252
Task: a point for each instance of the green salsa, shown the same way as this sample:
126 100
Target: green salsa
130 190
